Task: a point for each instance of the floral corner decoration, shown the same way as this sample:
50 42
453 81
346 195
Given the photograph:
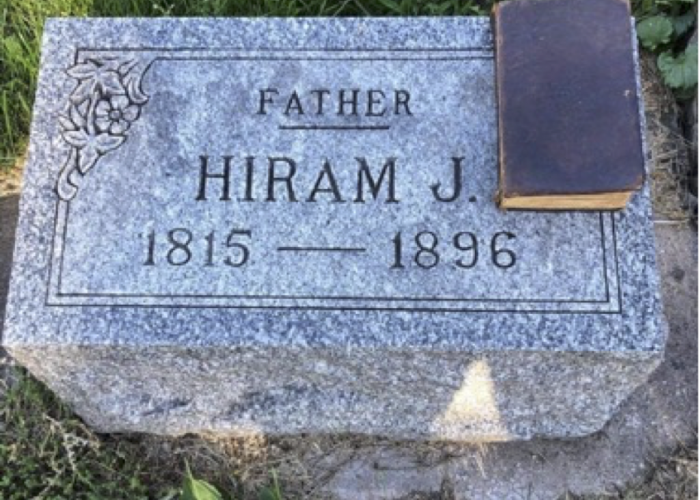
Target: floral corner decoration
106 101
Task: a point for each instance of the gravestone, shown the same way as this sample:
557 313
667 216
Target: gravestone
288 226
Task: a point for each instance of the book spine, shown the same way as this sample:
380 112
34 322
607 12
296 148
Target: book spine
497 42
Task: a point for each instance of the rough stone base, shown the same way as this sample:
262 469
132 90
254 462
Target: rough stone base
414 395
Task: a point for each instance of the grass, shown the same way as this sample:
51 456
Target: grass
22 21
46 452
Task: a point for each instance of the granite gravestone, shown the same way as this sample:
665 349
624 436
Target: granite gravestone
288 226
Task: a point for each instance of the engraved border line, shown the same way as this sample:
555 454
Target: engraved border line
472 56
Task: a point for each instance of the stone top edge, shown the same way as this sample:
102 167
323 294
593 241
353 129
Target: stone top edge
477 20
58 24
254 32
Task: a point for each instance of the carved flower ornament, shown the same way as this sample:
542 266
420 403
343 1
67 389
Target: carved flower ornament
106 101
115 115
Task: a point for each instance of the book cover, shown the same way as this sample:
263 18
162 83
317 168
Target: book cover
568 110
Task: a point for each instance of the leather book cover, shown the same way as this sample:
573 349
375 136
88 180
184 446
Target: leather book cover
568 110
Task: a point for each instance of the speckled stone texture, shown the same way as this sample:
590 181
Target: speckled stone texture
149 303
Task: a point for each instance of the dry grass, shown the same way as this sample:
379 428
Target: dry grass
11 179
672 478
304 464
670 167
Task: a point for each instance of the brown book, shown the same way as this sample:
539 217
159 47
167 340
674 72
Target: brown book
568 111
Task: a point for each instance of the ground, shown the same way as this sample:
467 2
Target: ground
648 450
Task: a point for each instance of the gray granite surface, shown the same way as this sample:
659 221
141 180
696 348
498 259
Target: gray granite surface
150 303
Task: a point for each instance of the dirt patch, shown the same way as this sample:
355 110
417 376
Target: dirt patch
11 179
